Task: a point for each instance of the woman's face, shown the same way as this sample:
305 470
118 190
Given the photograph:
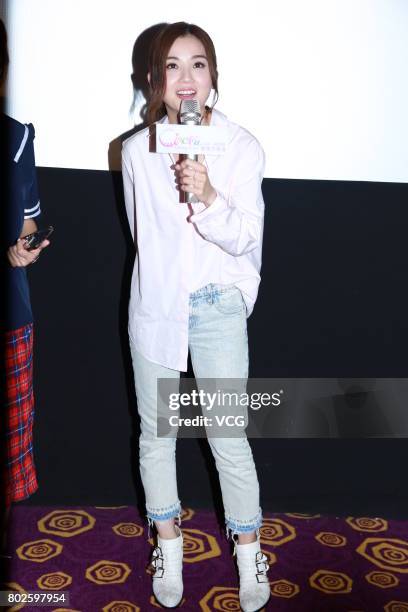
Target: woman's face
187 75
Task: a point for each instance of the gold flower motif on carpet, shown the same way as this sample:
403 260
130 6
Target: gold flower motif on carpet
54 581
199 545
66 523
276 532
365 523
108 572
328 538
39 550
331 582
384 580
284 588
128 530
387 553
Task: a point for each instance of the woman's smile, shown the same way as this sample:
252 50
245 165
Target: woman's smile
186 94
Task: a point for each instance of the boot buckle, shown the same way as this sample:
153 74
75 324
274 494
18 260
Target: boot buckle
157 562
262 566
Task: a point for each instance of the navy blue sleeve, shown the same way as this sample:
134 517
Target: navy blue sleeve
31 200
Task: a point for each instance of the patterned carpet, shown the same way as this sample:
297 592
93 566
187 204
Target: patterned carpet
101 556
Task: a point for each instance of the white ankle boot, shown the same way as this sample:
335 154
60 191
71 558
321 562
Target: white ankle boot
254 588
167 560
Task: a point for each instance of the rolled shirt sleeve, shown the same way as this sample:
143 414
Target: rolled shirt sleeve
235 221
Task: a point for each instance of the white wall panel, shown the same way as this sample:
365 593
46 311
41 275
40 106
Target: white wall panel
322 83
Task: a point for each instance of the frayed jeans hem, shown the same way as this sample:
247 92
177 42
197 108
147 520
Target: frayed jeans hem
234 527
163 514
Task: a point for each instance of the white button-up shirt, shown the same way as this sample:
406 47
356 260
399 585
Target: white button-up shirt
176 252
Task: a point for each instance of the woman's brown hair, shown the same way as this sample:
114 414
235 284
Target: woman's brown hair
158 53
4 56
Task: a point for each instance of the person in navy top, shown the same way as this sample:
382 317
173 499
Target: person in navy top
20 209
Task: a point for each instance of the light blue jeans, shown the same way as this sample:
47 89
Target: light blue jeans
218 344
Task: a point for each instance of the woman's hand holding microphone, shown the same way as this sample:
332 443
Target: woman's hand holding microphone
193 177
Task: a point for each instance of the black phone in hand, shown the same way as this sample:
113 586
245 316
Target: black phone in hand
32 241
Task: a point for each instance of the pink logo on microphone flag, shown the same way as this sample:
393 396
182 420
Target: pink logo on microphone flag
191 139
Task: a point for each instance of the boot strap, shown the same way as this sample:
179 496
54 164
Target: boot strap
262 566
157 562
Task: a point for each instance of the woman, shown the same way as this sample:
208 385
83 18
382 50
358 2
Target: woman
195 281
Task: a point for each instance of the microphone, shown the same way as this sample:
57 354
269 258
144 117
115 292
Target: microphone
190 115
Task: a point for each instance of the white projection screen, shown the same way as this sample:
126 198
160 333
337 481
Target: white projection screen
322 84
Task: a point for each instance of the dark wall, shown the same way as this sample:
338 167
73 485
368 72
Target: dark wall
333 302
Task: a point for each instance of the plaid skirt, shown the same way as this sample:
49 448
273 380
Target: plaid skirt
19 476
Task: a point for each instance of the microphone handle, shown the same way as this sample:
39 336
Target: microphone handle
191 197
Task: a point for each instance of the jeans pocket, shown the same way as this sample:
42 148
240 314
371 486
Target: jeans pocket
230 302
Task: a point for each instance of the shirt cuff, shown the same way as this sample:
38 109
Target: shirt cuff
218 204
30 213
